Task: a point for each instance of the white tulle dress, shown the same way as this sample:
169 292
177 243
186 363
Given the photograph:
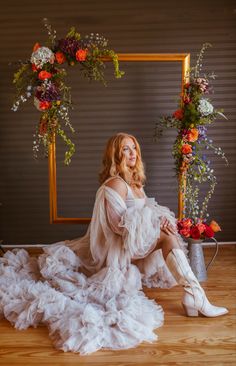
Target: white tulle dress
88 291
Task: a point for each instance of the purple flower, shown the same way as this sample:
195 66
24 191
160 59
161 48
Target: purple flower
69 46
48 94
202 132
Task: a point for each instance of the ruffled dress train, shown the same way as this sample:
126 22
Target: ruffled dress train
88 291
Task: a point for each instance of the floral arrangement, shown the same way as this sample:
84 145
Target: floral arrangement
191 119
42 78
199 230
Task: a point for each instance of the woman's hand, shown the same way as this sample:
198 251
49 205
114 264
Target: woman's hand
167 227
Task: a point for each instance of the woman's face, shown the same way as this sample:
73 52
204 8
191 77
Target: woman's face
129 151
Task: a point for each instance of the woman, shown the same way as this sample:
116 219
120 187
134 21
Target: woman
88 291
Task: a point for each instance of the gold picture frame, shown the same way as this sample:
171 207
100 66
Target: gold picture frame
184 58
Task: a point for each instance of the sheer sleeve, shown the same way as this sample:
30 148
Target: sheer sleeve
113 218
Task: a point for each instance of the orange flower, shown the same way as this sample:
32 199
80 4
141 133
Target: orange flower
81 55
36 46
60 57
186 223
185 232
178 114
44 75
186 149
45 105
192 135
215 227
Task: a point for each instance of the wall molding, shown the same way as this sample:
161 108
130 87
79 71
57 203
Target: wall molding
28 246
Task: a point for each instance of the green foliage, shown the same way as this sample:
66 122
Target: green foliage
73 34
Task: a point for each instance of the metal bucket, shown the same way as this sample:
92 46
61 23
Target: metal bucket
196 257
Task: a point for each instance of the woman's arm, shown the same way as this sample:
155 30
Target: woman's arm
113 218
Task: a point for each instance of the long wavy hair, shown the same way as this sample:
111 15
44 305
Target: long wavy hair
114 162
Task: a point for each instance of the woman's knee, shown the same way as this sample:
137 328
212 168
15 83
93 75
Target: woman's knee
167 242
166 238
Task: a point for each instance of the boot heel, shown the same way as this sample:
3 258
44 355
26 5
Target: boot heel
190 311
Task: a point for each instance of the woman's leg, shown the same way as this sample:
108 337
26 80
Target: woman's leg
194 299
167 243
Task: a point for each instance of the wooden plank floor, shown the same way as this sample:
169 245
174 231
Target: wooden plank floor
182 340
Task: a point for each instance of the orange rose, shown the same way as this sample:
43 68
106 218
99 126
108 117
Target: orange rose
187 223
186 149
44 75
36 47
81 55
192 135
185 232
215 227
60 57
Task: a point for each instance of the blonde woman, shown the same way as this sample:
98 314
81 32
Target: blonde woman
89 290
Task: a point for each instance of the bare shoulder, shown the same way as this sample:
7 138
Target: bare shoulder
119 186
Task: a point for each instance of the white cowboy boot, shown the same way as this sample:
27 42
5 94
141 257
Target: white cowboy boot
194 299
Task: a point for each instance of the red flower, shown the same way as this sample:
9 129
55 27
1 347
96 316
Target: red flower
187 85
186 149
195 233
178 114
45 105
34 67
81 55
44 75
42 127
208 231
60 57
187 99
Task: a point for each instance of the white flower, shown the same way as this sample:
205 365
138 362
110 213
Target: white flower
205 108
41 56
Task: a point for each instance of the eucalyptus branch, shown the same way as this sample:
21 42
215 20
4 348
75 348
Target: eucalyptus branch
69 143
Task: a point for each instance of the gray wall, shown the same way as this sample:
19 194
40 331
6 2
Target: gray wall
131 104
